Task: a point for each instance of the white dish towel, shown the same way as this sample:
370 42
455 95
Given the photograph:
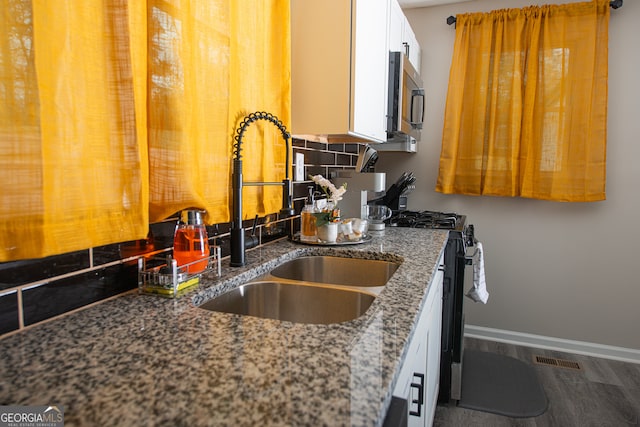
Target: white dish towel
478 292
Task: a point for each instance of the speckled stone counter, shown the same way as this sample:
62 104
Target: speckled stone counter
142 360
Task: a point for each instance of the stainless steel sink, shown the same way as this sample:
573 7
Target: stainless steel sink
337 271
292 302
311 289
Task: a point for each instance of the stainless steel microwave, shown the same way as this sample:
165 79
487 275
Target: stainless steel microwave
405 109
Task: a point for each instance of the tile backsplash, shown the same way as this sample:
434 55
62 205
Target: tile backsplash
32 291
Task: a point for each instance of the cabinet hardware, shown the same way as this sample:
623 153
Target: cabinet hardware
420 400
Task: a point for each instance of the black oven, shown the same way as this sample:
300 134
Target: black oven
460 235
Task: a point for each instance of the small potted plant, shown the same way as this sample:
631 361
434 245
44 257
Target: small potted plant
327 220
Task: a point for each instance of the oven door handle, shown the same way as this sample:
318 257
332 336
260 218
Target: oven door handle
469 259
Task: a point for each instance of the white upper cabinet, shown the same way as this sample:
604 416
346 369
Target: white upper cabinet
339 69
412 47
396 27
401 35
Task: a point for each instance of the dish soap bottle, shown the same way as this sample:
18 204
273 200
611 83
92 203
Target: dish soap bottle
190 241
308 232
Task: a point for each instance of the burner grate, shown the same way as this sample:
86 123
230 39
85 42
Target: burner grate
424 219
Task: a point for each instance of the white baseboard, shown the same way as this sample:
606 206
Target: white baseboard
550 343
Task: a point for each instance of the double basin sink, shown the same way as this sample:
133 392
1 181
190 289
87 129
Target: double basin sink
310 289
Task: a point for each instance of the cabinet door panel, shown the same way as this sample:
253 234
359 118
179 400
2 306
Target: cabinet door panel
413 47
396 27
433 346
370 68
420 373
339 68
417 398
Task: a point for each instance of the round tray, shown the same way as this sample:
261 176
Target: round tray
365 239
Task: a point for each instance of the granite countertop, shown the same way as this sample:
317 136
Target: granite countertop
146 361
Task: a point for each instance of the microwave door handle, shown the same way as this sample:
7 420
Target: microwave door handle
417 108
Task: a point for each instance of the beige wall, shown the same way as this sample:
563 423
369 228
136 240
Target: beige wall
563 270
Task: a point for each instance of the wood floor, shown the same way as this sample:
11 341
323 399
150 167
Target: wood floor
601 393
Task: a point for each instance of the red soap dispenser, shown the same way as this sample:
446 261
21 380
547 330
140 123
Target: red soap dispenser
190 241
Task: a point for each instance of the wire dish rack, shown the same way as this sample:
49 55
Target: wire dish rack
164 277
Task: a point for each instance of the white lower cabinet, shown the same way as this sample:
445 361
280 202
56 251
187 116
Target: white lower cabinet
434 341
420 372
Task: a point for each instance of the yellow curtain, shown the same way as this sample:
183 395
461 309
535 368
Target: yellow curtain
72 156
117 112
211 63
526 109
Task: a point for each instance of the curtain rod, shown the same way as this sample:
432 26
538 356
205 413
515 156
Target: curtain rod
614 4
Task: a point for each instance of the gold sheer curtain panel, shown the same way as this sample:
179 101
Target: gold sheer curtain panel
72 157
211 63
114 113
526 111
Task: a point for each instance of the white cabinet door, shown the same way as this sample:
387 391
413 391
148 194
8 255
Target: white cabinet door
401 35
370 64
411 383
412 47
420 373
434 347
396 27
339 68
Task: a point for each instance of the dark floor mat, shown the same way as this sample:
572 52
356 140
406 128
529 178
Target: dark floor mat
501 385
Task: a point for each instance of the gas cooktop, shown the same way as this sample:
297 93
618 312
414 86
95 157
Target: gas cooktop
427 219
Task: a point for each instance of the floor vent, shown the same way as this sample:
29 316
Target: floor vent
552 361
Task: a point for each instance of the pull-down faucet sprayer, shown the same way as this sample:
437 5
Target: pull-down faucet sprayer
237 230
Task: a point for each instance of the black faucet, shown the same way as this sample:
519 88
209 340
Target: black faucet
238 245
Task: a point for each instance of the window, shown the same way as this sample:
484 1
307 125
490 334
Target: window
527 102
